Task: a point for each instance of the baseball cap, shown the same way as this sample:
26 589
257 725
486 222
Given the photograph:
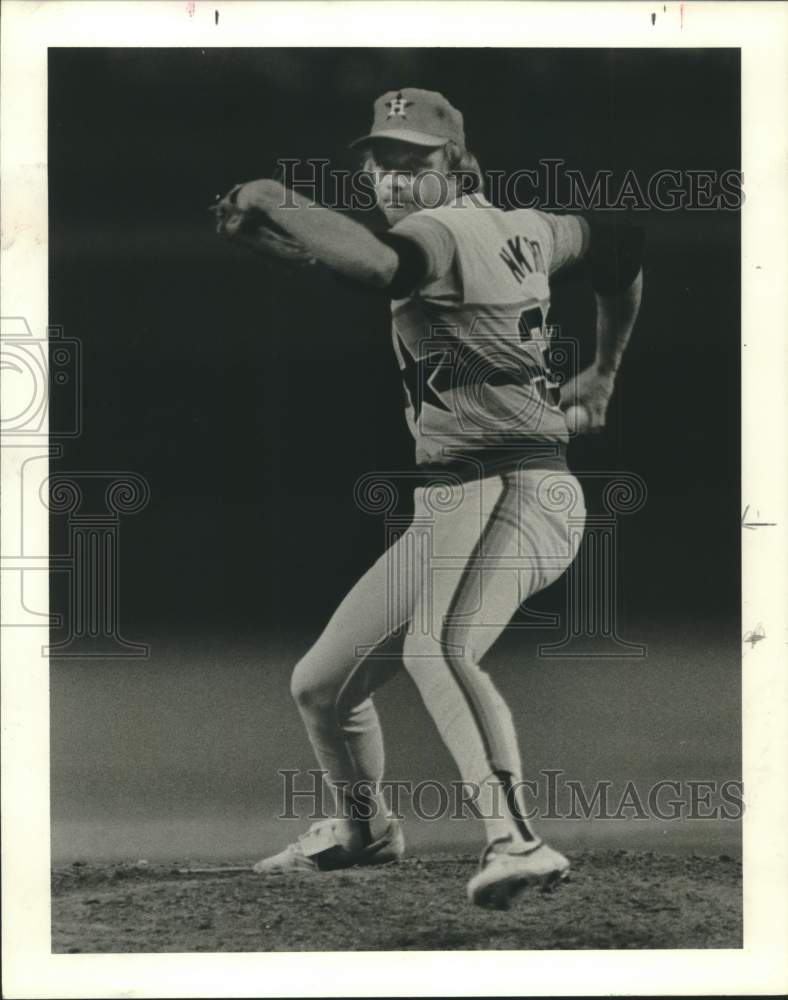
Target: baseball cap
422 117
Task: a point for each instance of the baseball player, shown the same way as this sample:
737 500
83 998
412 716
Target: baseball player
497 514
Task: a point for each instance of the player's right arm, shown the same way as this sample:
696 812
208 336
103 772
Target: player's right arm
341 244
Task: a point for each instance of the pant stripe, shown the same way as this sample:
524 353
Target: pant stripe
498 526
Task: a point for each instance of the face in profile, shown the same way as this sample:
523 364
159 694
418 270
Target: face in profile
408 178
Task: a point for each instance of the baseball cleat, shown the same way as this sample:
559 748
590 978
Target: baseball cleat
333 844
506 873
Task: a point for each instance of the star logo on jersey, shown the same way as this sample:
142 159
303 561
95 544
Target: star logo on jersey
418 376
397 107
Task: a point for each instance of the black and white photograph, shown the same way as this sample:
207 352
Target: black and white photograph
386 414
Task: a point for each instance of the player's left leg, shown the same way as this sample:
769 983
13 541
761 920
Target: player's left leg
504 539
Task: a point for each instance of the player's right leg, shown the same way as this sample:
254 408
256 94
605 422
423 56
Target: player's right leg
332 686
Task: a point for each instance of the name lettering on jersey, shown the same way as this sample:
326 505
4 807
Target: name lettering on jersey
522 256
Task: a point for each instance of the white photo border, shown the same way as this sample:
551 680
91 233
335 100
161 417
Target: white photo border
760 30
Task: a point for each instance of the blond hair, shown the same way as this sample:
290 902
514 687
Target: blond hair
465 167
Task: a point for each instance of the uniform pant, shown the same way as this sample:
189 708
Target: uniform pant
472 554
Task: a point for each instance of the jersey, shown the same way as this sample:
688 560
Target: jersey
472 341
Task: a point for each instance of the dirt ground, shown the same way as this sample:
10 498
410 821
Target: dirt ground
614 899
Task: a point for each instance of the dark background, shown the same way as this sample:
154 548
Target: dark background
251 401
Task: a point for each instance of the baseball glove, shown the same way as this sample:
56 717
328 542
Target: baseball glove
256 230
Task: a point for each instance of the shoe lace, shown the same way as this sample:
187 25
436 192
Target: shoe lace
490 849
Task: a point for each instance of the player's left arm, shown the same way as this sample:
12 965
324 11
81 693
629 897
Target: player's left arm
334 240
614 254
617 307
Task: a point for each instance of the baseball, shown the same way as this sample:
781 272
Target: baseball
578 419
